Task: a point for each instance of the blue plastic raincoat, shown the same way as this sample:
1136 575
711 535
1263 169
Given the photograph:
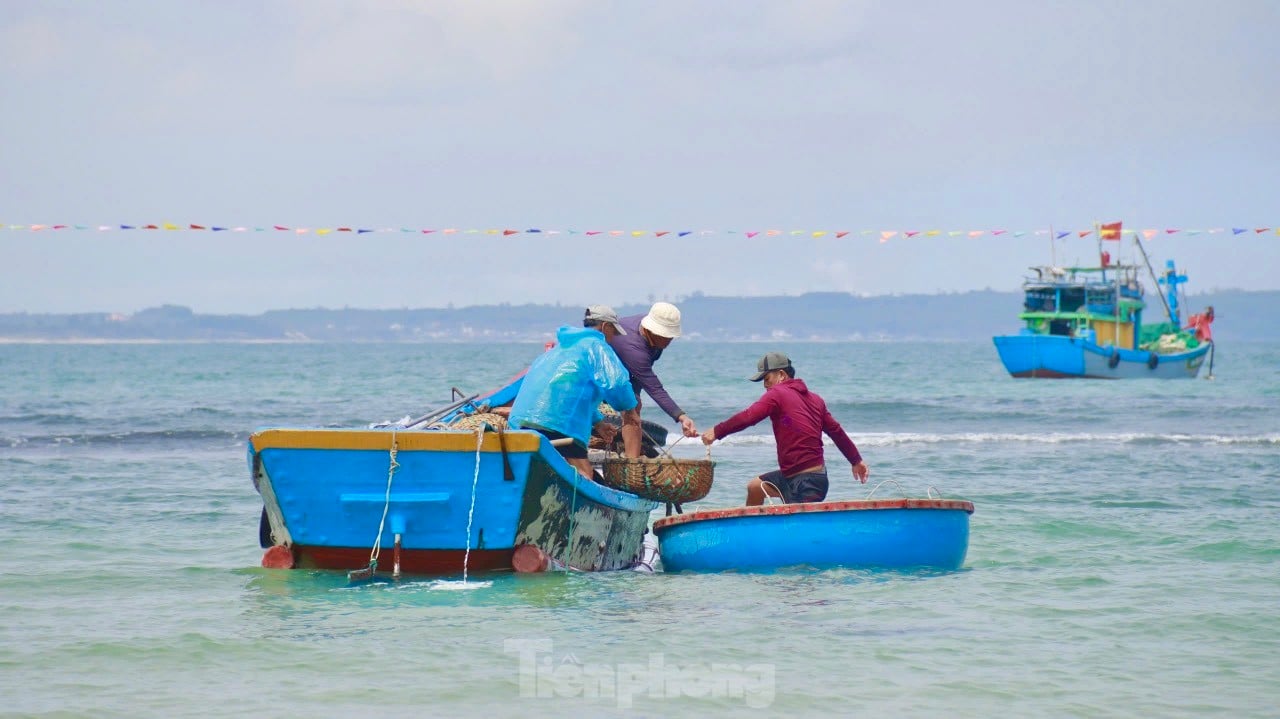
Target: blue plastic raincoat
565 385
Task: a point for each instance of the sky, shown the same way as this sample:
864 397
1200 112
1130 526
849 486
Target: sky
720 119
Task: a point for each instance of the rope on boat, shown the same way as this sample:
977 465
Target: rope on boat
767 496
475 479
884 482
573 519
391 472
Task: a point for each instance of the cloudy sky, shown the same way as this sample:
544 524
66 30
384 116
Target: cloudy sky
733 117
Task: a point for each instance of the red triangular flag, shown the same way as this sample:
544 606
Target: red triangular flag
593 232
842 233
1170 232
1261 230
150 227
280 227
344 229
510 232
196 227
660 234
427 232
1085 233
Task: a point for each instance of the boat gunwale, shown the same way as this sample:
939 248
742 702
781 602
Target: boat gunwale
766 510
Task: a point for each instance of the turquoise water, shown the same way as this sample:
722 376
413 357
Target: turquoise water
1123 558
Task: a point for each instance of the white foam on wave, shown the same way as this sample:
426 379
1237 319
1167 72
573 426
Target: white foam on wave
457 585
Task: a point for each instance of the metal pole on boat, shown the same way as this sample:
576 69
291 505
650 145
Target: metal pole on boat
1212 347
1168 311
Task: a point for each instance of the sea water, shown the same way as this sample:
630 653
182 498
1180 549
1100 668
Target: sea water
1122 562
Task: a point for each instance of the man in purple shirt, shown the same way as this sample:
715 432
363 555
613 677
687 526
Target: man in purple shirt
646 337
800 418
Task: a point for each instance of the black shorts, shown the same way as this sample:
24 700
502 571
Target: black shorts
803 487
569 450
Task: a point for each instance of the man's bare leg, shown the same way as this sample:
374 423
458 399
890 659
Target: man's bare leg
631 433
583 465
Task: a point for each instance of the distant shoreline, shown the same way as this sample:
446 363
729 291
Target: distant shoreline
812 317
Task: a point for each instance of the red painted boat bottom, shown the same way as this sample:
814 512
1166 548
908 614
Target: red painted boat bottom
412 561
805 507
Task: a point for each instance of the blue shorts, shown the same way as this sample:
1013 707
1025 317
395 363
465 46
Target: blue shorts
803 487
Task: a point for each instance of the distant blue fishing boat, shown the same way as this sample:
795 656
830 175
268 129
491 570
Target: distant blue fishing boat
868 533
1088 322
450 493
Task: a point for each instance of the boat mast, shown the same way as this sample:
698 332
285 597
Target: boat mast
1155 283
1053 249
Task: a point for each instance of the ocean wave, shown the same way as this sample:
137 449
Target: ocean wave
125 439
888 439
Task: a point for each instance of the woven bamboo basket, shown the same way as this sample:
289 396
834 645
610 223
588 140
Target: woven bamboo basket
664 479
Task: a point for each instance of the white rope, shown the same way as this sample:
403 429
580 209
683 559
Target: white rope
391 472
466 556
894 482
767 496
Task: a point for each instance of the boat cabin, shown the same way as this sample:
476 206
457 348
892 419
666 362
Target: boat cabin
1102 304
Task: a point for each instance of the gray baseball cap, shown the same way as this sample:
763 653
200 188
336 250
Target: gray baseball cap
768 363
604 313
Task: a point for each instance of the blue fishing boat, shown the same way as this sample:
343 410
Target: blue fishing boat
451 492
1089 322
865 534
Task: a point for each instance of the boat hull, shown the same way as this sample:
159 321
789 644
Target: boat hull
453 496
1057 356
872 534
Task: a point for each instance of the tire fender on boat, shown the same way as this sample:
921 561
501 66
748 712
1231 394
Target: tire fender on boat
1114 360
1153 361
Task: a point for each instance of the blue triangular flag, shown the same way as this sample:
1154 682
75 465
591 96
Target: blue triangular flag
362 230
1237 230
686 232
1062 235
219 229
533 229
127 227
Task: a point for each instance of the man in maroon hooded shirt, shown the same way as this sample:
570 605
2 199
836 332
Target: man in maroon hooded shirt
799 417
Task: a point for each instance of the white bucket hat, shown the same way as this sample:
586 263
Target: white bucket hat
663 320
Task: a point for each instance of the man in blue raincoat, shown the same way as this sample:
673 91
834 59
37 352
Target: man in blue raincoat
563 388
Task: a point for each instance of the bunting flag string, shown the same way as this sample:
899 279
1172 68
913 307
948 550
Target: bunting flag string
1103 232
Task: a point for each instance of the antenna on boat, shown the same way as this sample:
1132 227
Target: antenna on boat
1053 249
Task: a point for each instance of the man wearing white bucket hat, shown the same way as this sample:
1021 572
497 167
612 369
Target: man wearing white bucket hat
646 337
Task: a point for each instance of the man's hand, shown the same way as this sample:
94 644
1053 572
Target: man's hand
860 472
605 431
686 424
709 436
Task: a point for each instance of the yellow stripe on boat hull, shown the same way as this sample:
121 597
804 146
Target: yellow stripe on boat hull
409 440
